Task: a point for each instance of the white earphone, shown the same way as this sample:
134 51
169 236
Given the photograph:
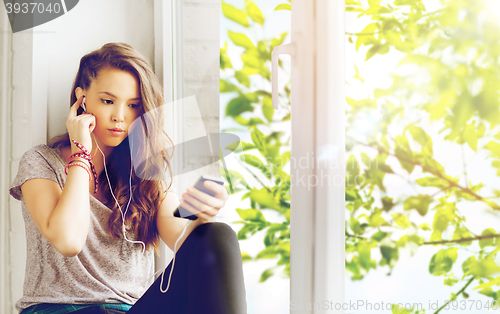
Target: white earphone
83 104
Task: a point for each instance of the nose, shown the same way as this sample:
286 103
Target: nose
118 114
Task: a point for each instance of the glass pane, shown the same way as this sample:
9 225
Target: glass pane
422 149
249 31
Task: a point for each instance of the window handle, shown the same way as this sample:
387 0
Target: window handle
288 49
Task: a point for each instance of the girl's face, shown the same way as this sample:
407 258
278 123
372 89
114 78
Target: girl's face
114 99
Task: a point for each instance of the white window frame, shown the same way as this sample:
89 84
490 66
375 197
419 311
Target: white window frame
317 232
167 66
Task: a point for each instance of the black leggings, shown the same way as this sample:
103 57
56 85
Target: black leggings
207 277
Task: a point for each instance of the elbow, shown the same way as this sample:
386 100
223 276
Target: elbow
69 245
68 249
70 252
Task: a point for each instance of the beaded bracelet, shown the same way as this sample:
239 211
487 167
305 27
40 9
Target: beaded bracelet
76 158
85 154
81 164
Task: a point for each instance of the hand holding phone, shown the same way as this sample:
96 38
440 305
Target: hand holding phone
183 212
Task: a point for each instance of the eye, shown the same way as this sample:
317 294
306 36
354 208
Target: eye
104 101
135 106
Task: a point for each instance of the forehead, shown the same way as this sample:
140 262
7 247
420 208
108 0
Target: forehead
120 83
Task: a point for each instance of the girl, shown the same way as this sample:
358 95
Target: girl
95 204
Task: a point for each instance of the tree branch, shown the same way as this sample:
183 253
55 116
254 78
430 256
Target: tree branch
435 173
488 236
459 292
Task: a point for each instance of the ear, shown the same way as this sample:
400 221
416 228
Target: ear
79 92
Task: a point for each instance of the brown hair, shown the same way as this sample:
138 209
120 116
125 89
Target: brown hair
148 179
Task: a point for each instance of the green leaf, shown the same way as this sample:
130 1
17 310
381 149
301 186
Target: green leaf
422 138
251 215
462 233
494 147
433 181
442 261
484 268
242 78
379 236
401 220
487 242
266 199
425 226
245 257
241 40
450 281
389 256
252 160
267 108
226 87
467 264
266 274
351 2
225 62
250 228
254 13
283 6
364 103
234 14
364 253
365 37
377 48
420 203
237 106
268 252
387 203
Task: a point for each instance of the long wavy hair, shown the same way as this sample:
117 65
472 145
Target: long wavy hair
148 149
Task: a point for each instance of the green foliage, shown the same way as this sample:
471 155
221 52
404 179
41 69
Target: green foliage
452 53
265 157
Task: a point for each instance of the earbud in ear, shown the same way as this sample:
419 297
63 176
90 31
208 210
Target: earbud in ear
83 105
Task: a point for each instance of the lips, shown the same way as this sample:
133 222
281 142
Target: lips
117 130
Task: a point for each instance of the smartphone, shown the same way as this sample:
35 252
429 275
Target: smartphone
181 212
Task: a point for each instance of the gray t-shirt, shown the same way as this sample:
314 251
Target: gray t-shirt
103 272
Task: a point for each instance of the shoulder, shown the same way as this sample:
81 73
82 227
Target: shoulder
37 162
51 155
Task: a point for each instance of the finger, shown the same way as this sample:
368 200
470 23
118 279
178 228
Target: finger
204 216
219 190
204 197
92 122
195 206
73 109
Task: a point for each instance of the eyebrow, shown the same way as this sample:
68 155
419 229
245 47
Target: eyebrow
108 93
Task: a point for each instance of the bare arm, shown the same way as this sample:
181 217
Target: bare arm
63 217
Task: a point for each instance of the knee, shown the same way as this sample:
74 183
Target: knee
216 233
217 238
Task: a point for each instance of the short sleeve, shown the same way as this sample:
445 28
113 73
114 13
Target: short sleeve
31 165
